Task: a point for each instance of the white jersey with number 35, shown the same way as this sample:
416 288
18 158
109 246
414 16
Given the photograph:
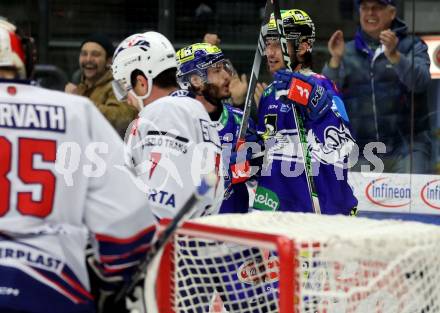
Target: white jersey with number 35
62 177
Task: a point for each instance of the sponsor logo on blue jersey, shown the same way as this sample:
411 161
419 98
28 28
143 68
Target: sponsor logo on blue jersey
268 91
285 108
266 200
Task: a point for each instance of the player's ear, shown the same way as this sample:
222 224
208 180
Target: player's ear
141 84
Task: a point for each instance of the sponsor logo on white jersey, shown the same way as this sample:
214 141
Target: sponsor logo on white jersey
162 197
10 252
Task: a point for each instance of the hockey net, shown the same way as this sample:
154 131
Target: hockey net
294 262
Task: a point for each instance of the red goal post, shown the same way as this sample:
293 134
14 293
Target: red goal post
294 262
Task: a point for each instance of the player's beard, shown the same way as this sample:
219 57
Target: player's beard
212 94
305 60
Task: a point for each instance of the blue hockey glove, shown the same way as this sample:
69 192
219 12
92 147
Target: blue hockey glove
306 92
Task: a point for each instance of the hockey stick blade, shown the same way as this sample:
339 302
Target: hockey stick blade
303 150
206 184
259 52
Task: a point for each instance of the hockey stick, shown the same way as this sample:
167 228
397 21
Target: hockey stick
206 184
304 151
259 52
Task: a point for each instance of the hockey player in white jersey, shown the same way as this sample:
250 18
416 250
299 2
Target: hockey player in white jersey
62 180
173 142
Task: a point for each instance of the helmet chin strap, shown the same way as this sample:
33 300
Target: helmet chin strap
140 99
139 103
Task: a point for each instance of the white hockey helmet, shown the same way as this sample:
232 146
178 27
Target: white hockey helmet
4 23
12 54
150 52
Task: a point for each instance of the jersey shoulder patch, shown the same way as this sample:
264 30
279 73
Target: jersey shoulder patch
269 89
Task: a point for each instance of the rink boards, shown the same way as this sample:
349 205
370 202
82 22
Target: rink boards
400 196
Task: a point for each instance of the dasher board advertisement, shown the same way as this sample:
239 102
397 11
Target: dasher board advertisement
397 193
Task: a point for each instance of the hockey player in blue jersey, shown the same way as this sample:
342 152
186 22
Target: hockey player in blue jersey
282 185
205 73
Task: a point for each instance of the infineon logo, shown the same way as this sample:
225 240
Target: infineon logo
430 194
436 57
386 193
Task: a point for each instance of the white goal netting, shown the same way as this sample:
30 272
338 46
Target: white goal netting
244 264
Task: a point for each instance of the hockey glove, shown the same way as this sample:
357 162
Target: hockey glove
246 159
104 289
135 302
306 92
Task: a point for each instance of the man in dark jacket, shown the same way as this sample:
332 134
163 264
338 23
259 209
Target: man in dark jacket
376 77
96 82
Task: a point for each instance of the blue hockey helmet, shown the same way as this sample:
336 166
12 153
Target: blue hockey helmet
196 59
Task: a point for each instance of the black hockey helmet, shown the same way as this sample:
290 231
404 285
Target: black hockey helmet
298 27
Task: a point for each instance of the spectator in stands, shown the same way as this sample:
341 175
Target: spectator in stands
375 75
96 77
